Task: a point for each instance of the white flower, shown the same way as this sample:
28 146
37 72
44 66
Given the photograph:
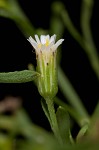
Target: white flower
45 43
45 48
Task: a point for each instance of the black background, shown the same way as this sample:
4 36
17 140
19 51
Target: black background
16 53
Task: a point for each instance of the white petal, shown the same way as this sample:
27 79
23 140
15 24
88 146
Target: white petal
53 38
45 43
50 45
37 39
33 42
47 37
43 39
57 44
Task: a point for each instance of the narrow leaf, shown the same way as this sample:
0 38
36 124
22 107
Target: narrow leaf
18 76
64 124
82 132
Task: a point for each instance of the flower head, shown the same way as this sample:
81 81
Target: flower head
45 48
45 43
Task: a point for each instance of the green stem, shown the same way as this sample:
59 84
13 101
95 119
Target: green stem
85 42
53 118
86 14
24 25
21 19
71 28
71 95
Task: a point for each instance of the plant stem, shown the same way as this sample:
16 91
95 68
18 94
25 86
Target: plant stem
53 118
21 19
90 48
71 95
86 14
85 41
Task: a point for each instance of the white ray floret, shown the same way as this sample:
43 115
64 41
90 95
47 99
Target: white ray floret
45 43
37 39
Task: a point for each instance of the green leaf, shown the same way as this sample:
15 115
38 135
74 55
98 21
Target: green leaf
72 112
82 132
18 76
64 124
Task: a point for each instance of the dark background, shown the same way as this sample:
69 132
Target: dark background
16 53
